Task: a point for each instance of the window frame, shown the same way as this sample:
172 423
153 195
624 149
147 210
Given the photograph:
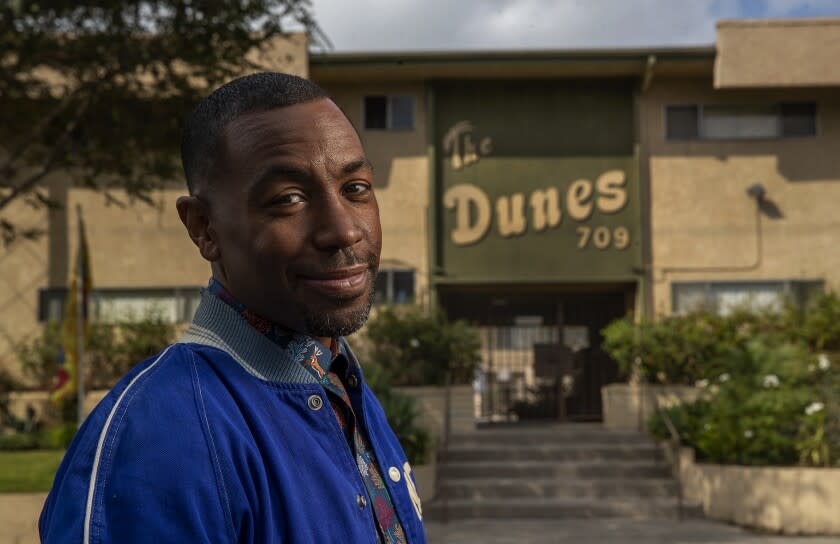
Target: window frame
186 300
389 112
795 288
389 288
701 107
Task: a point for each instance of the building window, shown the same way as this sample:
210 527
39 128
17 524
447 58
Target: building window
723 298
394 286
173 305
389 112
740 122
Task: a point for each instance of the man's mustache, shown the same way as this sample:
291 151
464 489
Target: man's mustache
344 258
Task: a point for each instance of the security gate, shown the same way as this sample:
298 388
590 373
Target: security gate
533 371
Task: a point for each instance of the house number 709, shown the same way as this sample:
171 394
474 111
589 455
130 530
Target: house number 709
603 237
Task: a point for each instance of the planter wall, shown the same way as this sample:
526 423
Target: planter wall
431 401
629 406
787 500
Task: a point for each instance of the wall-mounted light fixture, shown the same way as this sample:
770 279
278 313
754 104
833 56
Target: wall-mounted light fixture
758 192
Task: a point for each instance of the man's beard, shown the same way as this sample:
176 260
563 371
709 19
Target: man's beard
325 324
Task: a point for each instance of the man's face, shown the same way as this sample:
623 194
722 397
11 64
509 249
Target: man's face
296 219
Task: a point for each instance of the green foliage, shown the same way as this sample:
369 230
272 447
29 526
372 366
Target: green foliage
687 418
7 384
819 324
57 437
111 350
411 347
401 412
676 350
100 88
778 407
19 442
770 380
687 348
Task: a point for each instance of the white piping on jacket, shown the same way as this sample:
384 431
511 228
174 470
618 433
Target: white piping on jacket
101 443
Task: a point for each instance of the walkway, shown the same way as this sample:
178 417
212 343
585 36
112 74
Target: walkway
604 531
18 515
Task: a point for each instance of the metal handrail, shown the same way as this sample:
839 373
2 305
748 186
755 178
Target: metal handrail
443 447
676 444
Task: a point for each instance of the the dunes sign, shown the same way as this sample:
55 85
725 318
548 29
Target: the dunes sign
538 210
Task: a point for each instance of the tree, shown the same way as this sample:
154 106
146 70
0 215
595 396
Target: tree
99 89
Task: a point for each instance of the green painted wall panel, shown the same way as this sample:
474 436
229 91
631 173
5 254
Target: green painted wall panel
499 146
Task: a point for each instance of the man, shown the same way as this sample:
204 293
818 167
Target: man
257 425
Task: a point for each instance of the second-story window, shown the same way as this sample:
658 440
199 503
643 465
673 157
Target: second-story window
740 122
389 112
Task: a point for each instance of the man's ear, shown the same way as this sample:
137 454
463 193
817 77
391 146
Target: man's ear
195 215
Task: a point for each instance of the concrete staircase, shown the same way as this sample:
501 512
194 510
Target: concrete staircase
556 471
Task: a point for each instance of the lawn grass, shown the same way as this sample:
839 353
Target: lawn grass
28 471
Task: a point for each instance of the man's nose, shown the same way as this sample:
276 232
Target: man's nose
337 225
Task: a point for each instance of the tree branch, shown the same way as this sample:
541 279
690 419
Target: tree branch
35 133
26 185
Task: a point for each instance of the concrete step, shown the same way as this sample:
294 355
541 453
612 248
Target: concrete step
570 470
606 488
551 509
560 434
554 452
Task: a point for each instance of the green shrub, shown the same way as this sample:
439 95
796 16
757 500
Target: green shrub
687 419
110 351
779 408
819 323
19 442
673 350
7 384
770 380
683 349
401 411
57 437
412 347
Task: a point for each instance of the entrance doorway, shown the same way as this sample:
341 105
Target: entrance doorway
541 349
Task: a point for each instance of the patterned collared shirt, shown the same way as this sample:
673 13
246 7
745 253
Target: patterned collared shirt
334 370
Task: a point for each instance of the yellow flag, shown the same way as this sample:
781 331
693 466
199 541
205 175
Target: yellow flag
74 324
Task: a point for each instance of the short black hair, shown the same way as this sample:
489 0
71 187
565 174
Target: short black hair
203 130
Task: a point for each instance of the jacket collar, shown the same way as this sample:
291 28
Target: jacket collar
219 325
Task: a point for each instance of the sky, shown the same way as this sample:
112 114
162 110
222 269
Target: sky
412 25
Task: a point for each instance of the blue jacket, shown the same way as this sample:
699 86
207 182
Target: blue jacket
223 437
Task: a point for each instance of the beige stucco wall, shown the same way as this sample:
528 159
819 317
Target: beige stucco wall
789 500
630 405
700 213
137 246
23 270
401 175
777 53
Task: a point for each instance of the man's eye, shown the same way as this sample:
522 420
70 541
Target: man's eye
356 188
286 199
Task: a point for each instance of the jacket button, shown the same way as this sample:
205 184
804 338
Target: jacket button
394 473
361 501
353 381
315 402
